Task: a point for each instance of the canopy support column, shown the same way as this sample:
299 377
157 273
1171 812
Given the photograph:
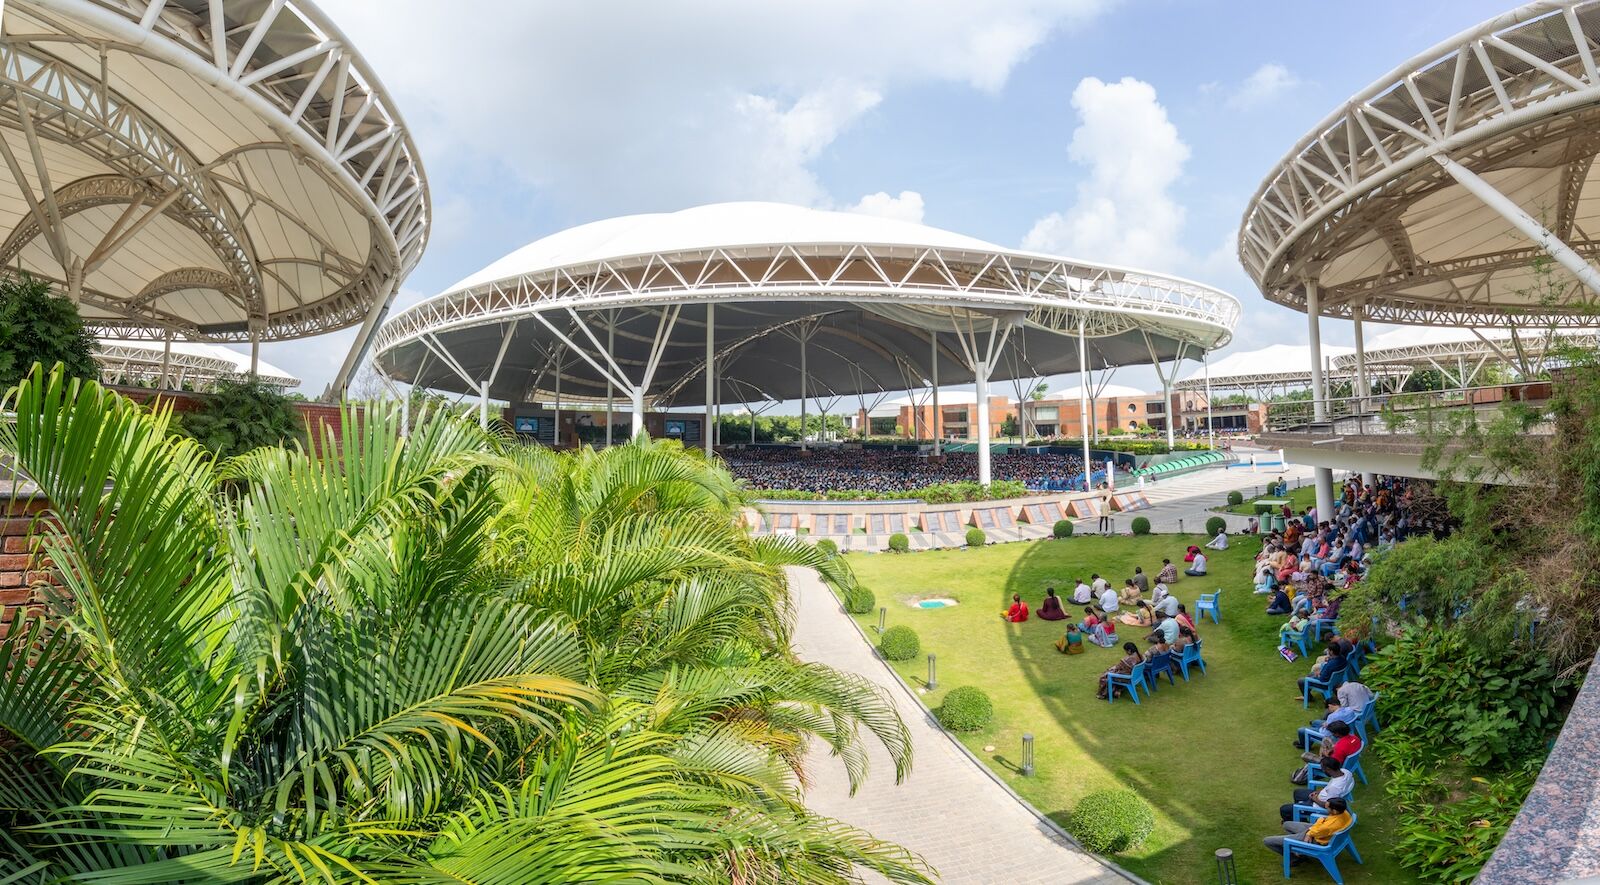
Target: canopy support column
1211 433
985 468
709 430
933 420
1586 273
1319 394
1363 385
166 360
255 355
1083 400
611 388
805 337
555 438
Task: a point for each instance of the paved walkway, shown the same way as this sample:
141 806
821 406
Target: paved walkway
1191 496
950 811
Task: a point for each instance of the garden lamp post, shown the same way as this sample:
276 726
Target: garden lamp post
883 614
1027 755
1226 873
933 679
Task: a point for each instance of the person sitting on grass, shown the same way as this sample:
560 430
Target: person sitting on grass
1130 593
1018 612
1071 642
1141 616
1139 580
1167 627
1099 630
1130 659
1108 600
1050 609
1320 832
1166 602
1168 574
1197 568
1338 786
1190 553
1082 594
1279 604
1220 542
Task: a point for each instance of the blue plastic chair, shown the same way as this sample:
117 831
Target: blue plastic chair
1191 656
1326 687
1157 665
1209 603
1369 716
1319 624
1131 681
1352 765
1295 637
1327 854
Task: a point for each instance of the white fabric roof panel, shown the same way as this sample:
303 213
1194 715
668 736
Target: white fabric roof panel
1273 360
1110 391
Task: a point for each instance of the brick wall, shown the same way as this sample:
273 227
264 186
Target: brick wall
18 573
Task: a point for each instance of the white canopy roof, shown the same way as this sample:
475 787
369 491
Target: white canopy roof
1109 391
192 364
946 398
1271 365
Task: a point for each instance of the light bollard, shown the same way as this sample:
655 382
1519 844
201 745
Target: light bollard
1226 873
1180 525
1027 755
883 614
933 678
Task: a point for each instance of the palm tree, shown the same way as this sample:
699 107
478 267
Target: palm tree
384 665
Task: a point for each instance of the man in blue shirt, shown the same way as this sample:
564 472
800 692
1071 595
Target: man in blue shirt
1333 662
1313 735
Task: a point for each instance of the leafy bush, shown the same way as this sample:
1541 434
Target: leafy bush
244 416
1062 528
1108 821
1448 828
965 709
1235 498
899 643
1493 707
38 327
1215 524
899 543
976 537
859 600
826 545
1141 526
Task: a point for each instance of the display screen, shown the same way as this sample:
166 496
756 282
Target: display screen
525 424
674 428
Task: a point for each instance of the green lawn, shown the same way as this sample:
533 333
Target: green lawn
1213 756
1300 499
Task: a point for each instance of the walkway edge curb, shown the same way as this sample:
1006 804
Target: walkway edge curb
1049 824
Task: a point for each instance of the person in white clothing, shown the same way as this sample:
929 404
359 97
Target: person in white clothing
1108 600
1220 542
1098 584
1081 594
1198 567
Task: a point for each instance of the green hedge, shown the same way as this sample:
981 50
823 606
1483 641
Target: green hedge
1141 526
1235 498
899 643
1215 524
899 543
859 600
965 709
976 537
1062 528
1109 821
827 546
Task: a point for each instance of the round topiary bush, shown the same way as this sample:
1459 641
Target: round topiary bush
965 709
1109 821
828 547
1216 524
899 643
859 600
899 543
1062 528
1141 526
1235 497
976 537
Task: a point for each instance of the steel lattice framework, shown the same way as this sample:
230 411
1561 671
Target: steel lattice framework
1447 191
1526 353
233 166
122 363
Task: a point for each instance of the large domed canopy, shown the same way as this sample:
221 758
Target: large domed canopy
853 298
214 170
1459 189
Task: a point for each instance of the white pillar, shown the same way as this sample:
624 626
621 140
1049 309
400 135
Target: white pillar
805 336
483 405
1171 410
611 349
1362 388
981 371
1319 394
637 396
405 414
555 438
1083 400
1211 433
708 430
1522 221
255 354
933 423
166 362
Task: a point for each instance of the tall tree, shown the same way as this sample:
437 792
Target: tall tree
38 327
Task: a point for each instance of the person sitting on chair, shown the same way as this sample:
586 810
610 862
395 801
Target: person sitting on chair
1130 659
1338 786
1197 567
1018 612
1331 662
1168 573
1050 609
1183 619
1321 832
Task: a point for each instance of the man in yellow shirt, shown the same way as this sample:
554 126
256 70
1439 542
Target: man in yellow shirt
1320 832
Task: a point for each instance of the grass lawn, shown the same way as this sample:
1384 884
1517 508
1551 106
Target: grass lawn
1299 499
1212 756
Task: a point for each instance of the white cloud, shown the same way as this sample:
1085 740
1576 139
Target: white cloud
906 207
622 107
1123 212
1266 83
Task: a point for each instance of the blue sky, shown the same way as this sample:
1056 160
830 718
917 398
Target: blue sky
1128 132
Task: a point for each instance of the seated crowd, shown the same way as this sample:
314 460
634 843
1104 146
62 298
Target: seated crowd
883 470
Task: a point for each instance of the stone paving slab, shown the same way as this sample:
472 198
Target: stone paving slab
950 811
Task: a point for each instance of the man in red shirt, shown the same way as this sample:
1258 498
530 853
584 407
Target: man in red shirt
1018 611
1340 744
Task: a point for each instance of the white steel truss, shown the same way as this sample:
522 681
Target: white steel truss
1525 353
1475 105
174 370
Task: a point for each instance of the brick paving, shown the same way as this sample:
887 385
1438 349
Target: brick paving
949 810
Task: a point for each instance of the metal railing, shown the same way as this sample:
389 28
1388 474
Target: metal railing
1392 413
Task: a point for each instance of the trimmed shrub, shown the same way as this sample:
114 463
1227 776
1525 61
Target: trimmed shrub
1215 524
827 546
1235 498
899 543
976 537
965 709
899 643
1109 821
1062 528
1141 526
859 600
